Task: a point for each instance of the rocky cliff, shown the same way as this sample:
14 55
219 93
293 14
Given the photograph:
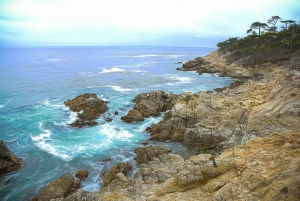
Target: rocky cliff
252 129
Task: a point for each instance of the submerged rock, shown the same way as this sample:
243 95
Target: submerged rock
59 188
88 107
82 174
8 160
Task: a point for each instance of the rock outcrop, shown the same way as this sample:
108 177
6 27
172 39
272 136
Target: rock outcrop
265 168
88 108
133 115
255 107
123 168
146 154
153 103
8 160
59 188
82 174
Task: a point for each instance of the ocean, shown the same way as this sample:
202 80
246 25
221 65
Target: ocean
34 83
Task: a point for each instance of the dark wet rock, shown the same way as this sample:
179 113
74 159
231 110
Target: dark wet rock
88 107
233 85
153 103
108 119
8 160
193 65
116 113
145 143
124 168
146 154
59 188
82 174
133 115
106 159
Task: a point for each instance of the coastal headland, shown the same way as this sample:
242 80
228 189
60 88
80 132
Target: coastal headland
247 136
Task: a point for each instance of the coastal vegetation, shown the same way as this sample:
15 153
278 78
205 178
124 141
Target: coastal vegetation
265 38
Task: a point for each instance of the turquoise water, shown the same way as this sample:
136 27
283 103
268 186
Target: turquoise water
34 83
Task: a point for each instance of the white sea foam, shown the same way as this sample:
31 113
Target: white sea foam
1 106
180 79
114 132
120 70
55 59
120 89
42 141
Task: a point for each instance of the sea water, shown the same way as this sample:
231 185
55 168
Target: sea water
35 82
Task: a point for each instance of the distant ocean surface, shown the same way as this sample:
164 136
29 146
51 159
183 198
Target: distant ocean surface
34 83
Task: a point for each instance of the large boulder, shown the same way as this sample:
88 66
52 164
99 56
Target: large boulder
59 188
82 174
88 108
153 103
8 160
146 154
133 115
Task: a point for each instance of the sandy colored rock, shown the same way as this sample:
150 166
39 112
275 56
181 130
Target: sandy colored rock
123 168
146 154
8 160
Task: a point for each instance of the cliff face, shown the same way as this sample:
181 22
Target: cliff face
257 124
265 168
262 105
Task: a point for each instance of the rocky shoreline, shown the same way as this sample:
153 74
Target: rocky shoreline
248 137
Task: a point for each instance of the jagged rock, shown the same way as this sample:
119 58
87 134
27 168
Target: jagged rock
108 120
146 154
8 160
59 188
88 107
153 103
124 168
133 115
82 174
265 168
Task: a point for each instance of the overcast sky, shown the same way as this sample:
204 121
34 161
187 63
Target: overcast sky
134 22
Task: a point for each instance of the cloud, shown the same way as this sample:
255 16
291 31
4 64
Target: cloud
133 22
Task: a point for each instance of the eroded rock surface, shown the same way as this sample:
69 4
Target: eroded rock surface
153 103
59 188
8 160
133 115
265 168
123 168
88 108
146 154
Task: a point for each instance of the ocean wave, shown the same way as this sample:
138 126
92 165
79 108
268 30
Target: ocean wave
166 55
120 89
114 132
120 70
42 141
86 73
1 106
55 59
